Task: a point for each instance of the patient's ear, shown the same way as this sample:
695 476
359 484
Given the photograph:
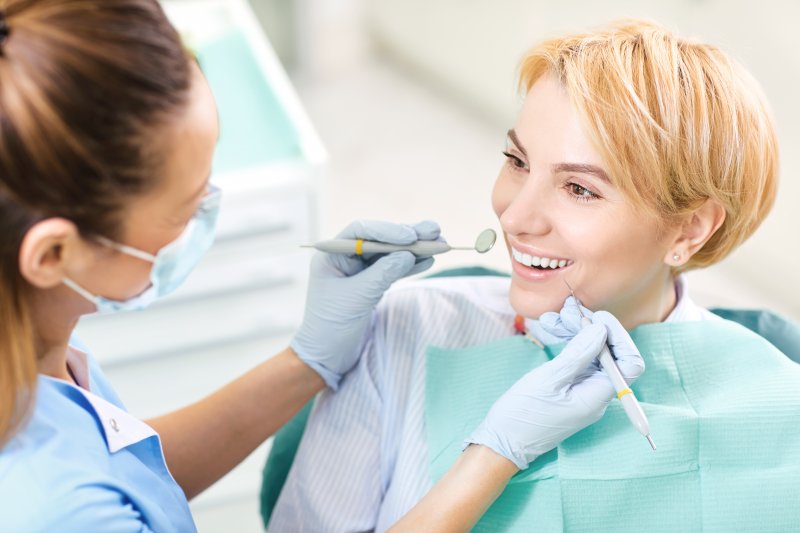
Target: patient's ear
695 231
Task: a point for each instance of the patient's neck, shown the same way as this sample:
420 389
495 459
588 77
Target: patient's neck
651 304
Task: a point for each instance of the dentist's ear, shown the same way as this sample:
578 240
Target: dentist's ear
46 249
695 231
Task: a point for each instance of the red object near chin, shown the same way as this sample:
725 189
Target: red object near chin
519 324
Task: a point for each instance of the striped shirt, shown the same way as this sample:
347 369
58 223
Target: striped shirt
363 461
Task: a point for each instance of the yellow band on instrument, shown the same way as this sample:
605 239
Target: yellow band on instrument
623 392
359 246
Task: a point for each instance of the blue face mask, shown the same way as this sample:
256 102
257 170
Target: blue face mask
171 265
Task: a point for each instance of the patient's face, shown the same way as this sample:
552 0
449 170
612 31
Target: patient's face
555 202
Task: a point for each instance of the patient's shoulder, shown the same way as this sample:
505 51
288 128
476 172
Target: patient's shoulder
472 308
487 293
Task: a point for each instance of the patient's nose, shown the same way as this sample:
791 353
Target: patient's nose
528 212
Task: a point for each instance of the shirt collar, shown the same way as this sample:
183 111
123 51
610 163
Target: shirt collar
686 310
121 429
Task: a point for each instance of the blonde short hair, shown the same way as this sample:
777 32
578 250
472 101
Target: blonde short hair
676 122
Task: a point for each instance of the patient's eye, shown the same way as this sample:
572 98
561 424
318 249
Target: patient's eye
581 193
515 162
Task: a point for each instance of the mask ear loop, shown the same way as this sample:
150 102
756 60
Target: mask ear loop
80 290
124 248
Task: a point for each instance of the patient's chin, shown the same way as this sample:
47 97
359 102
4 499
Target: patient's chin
532 304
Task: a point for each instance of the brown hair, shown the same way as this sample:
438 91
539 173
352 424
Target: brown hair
85 85
676 121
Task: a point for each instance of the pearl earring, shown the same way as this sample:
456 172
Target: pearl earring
676 257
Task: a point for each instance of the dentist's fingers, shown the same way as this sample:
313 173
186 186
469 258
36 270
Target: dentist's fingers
427 230
381 231
577 355
423 264
629 360
386 270
566 323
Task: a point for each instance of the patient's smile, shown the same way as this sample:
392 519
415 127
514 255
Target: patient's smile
535 261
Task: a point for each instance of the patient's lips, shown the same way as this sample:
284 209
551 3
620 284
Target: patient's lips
534 265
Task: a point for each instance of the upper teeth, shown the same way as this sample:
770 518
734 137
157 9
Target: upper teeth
542 262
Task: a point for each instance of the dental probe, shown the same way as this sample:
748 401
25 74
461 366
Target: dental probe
483 244
626 397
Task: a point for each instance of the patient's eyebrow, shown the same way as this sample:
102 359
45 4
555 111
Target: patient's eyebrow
582 168
513 136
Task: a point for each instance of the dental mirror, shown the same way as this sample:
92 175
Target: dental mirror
485 241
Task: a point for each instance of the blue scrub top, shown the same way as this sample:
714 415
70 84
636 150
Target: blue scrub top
59 472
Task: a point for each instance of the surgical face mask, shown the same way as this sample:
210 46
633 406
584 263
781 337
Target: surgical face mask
171 265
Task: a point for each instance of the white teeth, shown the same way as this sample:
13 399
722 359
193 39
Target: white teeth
543 262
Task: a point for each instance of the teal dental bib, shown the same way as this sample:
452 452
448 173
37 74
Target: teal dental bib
724 410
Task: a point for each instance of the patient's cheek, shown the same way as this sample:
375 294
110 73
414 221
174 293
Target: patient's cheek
533 305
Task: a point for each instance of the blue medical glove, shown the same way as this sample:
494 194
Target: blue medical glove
344 289
561 397
566 323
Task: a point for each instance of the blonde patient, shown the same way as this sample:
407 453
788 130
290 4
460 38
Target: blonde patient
631 188
637 156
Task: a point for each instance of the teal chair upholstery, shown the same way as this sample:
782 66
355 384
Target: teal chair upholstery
784 333
780 331
280 459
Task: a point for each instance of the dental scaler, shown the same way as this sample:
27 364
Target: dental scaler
624 393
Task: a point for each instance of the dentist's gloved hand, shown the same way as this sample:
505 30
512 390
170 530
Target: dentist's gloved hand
567 323
560 397
344 289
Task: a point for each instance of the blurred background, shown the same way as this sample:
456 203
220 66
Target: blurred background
334 110
412 99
